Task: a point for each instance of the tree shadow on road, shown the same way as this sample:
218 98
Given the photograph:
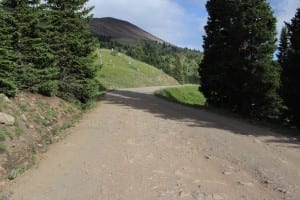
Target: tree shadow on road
196 117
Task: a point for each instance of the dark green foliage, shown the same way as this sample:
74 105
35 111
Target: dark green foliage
7 87
7 63
47 48
32 55
30 59
289 58
162 56
48 88
237 70
73 45
283 46
178 72
217 54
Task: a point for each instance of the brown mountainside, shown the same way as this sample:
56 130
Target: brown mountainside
120 30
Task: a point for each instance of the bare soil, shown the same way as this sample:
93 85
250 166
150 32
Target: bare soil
137 146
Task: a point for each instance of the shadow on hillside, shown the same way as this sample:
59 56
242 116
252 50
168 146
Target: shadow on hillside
194 117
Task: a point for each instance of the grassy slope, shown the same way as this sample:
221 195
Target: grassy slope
121 71
187 95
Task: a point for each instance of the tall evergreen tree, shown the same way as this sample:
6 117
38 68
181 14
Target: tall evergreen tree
259 75
283 47
217 50
291 70
238 72
7 65
34 69
282 60
73 44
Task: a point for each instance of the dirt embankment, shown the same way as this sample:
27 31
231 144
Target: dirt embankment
137 146
28 123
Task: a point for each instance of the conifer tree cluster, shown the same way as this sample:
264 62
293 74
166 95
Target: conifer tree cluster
7 64
289 59
238 72
47 48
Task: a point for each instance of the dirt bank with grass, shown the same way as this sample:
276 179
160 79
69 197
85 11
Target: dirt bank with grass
30 122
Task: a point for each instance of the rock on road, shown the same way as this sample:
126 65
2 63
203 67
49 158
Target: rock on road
135 146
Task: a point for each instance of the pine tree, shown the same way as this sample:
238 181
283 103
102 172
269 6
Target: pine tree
138 51
7 65
282 60
40 73
217 50
237 71
178 70
73 45
283 47
291 70
34 69
259 75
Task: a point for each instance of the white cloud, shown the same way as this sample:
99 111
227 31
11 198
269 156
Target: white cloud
284 10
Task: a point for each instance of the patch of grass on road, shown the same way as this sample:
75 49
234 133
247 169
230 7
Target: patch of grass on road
187 95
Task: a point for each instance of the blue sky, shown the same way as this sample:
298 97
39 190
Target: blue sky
180 22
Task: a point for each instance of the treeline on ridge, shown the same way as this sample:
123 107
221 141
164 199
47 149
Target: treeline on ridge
180 63
47 48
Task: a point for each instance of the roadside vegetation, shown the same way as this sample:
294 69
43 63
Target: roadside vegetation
46 48
187 95
46 70
238 72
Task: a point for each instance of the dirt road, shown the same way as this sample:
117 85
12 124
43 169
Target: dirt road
135 146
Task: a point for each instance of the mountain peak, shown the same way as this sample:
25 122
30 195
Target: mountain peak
120 30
